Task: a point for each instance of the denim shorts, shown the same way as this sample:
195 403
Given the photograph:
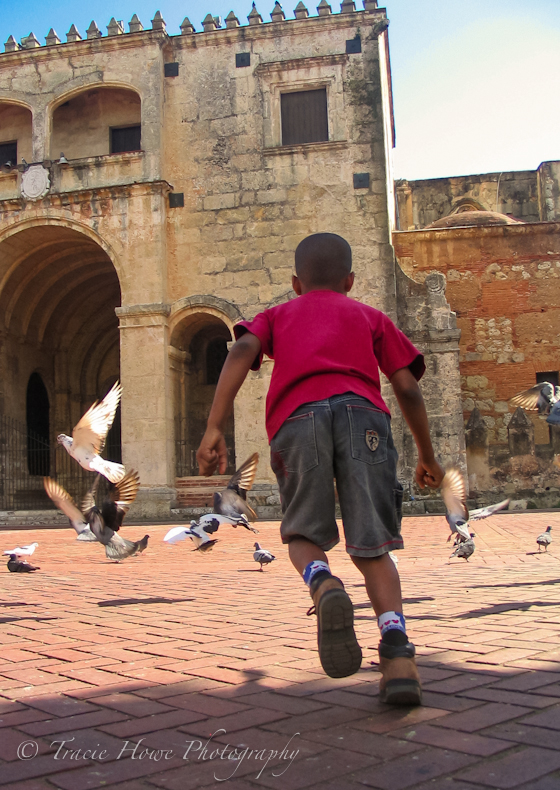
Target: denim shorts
348 439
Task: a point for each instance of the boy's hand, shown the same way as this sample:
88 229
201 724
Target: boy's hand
429 473
212 453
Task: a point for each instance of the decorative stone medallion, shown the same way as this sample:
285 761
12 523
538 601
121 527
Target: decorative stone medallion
35 182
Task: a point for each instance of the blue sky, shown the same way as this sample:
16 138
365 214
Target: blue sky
476 82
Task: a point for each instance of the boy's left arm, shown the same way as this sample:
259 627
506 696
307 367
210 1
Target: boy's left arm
212 453
408 394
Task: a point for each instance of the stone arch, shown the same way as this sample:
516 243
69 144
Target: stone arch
59 289
197 323
79 120
16 132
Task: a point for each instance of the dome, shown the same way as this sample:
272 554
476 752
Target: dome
472 219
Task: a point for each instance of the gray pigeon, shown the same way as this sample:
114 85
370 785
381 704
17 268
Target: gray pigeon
545 539
113 508
541 398
465 549
262 556
20 566
232 502
454 493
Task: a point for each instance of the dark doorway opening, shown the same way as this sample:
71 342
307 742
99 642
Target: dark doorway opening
38 435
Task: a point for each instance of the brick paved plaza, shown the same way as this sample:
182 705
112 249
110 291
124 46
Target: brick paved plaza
169 648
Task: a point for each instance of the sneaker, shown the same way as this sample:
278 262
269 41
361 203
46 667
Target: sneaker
400 684
339 651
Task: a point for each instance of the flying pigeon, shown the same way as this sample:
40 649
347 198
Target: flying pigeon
465 548
541 398
21 551
20 566
545 539
199 531
262 556
115 506
232 502
454 493
88 436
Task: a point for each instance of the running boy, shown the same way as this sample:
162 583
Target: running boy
326 419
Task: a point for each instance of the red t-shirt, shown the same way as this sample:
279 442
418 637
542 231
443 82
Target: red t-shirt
324 343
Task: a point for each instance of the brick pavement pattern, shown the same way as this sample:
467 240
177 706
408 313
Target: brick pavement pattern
181 670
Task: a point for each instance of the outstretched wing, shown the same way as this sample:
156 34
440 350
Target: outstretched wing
88 502
127 488
529 399
92 429
454 493
244 477
62 500
485 512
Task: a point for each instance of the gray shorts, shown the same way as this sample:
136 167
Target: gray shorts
348 439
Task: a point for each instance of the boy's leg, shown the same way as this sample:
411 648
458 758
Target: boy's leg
400 682
339 651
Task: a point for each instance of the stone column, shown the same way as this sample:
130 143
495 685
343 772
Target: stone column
478 461
147 412
426 318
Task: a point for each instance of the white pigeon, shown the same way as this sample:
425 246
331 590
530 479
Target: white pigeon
21 551
88 437
199 532
262 556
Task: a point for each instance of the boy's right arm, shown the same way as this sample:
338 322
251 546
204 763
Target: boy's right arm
212 452
428 471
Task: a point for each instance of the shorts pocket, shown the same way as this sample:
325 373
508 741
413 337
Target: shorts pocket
369 429
294 448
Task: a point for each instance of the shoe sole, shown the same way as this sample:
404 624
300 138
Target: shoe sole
401 692
339 651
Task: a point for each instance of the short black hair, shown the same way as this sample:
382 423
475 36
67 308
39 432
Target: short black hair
323 259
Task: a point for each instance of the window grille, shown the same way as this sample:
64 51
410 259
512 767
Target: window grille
304 117
125 138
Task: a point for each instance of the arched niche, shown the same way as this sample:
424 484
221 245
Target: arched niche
197 353
16 124
99 121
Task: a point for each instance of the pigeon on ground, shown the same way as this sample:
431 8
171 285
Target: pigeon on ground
88 436
541 398
545 539
232 502
262 556
142 544
22 551
20 566
465 548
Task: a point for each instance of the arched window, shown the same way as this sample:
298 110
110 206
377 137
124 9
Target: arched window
216 353
38 437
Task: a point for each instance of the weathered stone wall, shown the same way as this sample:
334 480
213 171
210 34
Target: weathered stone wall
504 285
526 195
210 134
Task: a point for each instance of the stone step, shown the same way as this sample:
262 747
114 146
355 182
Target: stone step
214 483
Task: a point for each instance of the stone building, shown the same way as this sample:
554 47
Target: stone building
496 239
153 189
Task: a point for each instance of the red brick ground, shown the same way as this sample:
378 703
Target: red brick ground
167 649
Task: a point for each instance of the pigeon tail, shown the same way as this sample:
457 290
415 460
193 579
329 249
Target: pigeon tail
120 548
109 469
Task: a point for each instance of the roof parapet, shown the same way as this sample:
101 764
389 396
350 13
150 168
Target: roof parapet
210 24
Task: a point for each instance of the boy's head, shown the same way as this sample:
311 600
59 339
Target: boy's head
323 262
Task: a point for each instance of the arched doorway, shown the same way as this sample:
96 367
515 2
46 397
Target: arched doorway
38 420
58 294
198 351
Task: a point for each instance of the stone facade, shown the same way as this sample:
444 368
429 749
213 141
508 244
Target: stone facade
137 263
503 283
